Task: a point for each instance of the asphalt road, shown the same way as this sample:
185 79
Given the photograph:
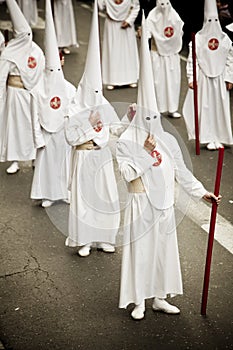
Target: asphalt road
53 299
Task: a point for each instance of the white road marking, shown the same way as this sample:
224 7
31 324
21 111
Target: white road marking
200 213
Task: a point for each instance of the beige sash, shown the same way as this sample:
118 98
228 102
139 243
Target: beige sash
87 146
15 81
136 186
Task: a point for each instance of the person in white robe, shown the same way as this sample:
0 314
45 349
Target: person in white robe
120 63
30 11
50 180
21 68
65 25
214 57
150 160
94 215
165 27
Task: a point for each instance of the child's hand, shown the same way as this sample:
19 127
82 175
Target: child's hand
94 118
125 25
131 111
210 198
149 143
229 85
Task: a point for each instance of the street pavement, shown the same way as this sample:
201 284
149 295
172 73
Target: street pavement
53 299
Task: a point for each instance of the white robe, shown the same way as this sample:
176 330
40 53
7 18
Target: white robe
20 132
29 9
213 103
64 21
120 63
150 260
94 208
51 173
165 58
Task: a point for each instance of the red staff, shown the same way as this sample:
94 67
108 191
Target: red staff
195 100
211 232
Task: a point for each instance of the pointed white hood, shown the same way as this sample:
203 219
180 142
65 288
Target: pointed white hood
210 10
20 24
53 99
21 50
211 21
89 92
212 44
147 118
166 26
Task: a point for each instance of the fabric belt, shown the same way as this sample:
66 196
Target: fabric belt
87 146
15 81
136 186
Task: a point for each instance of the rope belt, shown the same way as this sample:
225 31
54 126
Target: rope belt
136 186
87 146
15 81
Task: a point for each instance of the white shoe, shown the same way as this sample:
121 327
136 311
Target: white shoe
211 146
134 85
110 87
85 250
46 203
106 247
175 115
13 168
218 145
67 201
138 311
66 51
163 305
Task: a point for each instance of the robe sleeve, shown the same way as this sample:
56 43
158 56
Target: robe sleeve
79 133
133 12
189 65
184 176
37 130
133 160
229 67
4 72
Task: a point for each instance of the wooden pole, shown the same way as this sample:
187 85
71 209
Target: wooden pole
195 98
211 232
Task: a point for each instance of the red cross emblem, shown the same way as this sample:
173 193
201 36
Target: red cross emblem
32 62
168 32
98 127
213 44
55 102
155 154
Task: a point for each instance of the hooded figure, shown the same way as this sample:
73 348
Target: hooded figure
120 54
214 55
150 161
29 9
64 21
50 180
21 67
165 29
94 209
